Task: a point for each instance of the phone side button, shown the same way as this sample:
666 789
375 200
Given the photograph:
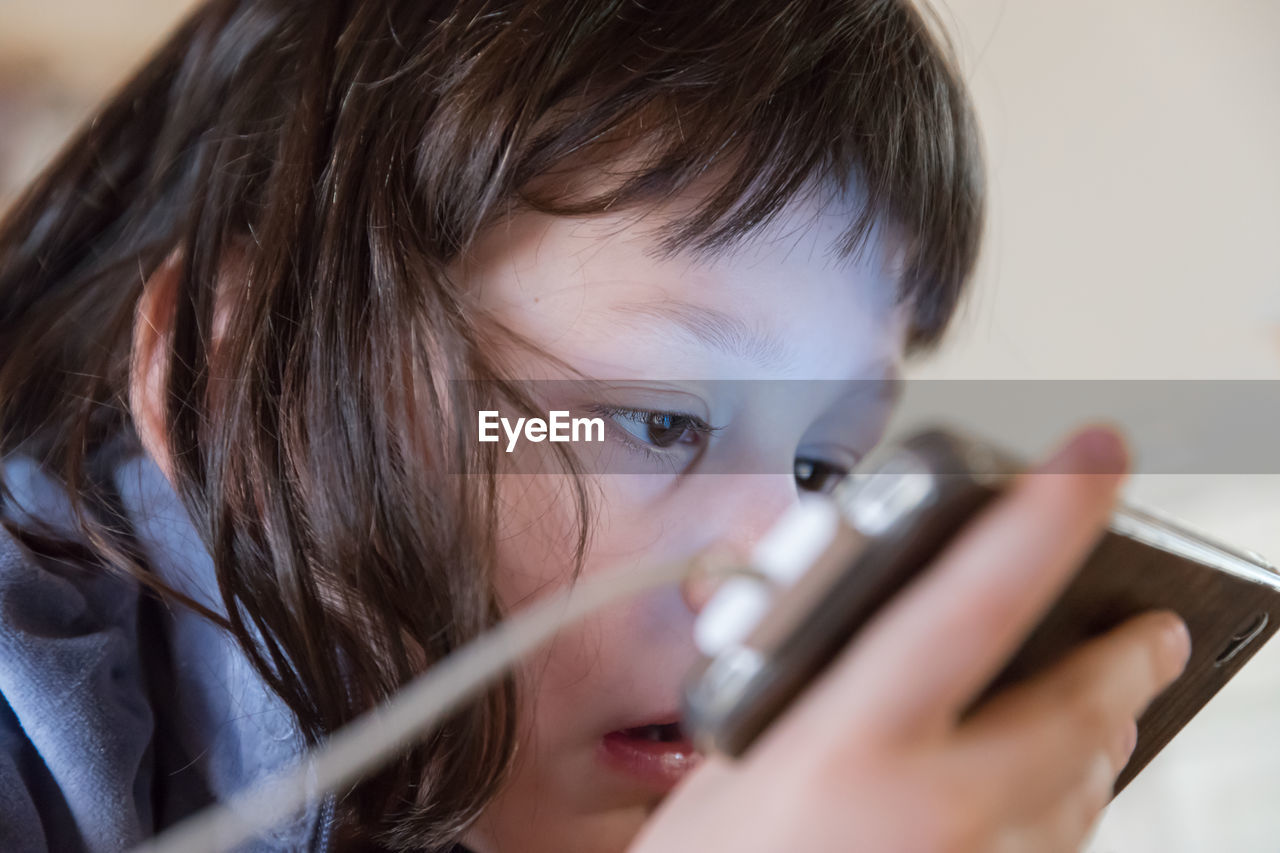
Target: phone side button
1242 638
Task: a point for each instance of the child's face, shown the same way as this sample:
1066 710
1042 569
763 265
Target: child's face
663 335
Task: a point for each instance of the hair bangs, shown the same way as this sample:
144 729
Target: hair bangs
865 98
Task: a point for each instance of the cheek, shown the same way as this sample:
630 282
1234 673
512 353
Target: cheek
536 537
622 651
632 520
536 556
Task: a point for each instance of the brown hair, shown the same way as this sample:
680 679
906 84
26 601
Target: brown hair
352 150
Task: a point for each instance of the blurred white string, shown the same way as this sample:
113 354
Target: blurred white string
375 736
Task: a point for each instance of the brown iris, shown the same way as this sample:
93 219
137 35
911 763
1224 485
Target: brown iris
664 429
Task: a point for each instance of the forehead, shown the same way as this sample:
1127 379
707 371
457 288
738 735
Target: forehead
597 293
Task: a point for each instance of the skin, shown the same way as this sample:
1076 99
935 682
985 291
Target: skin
873 757
583 291
870 760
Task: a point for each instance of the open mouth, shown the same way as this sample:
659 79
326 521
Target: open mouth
658 755
663 733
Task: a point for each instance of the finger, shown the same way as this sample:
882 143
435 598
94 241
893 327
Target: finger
1066 825
939 643
1035 741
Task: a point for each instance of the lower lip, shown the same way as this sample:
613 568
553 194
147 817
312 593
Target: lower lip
657 764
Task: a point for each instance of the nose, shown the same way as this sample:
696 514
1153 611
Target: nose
738 516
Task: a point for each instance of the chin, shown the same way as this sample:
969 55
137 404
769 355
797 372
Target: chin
553 831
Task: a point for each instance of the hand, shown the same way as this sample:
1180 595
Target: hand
875 756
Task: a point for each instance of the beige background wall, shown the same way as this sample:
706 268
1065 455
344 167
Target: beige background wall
1135 227
1134 233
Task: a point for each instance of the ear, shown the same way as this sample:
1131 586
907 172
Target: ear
152 329
152 336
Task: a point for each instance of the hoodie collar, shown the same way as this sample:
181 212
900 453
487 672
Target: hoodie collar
224 716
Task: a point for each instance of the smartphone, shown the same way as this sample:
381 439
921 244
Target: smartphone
887 523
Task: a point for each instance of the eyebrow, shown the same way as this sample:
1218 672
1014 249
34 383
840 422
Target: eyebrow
724 332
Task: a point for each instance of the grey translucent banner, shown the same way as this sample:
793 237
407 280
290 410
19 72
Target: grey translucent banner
729 427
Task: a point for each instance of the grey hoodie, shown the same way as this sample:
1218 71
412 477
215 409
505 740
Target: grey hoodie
119 716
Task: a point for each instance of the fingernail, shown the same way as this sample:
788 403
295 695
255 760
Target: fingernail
1096 450
1177 641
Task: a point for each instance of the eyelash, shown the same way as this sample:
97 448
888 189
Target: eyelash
690 424
701 429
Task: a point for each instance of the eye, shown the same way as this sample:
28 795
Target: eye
818 475
660 429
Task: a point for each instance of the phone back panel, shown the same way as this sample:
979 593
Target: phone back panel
1229 618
